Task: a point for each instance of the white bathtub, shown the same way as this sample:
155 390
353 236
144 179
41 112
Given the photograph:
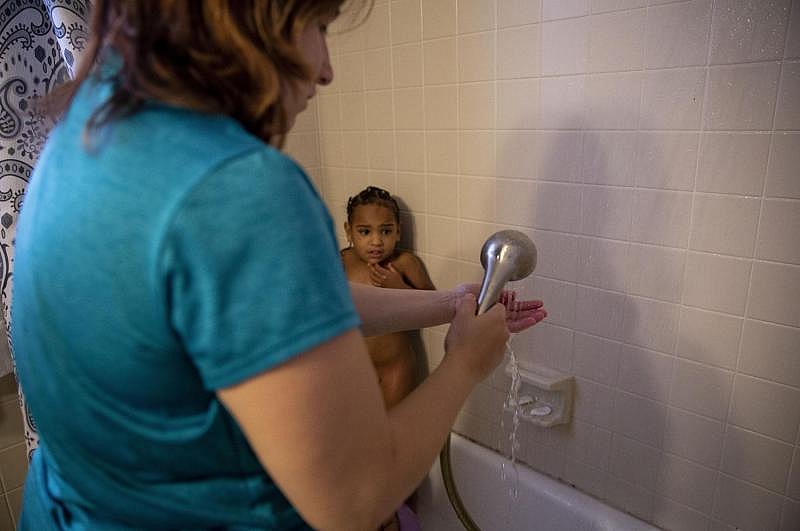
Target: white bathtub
543 504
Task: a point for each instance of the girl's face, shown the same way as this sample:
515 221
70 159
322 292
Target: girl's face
313 46
373 233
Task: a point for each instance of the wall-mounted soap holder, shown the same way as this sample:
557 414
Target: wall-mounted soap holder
545 395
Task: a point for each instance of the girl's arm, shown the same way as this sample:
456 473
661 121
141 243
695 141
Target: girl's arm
415 272
318 425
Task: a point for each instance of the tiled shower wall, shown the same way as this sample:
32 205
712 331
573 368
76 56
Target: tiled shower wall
651 150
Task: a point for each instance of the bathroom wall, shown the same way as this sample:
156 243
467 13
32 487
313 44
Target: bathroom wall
651 150
13 461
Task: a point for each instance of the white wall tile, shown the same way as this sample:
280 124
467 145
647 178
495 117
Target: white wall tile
746 506
651 324
609 157
355 149
379 107
407 65
410 151
476 153
377 69
557 255
631 498
655 272
603 263
616 41
757 459
440 235
350 72
634 462
548 345
476 106
668 514
438 18
517 12
476 15
793 484
476 198
790 517
613 101
510 62
329 112
741 97
476 57
793 41
558 207
606 212
411 192
563 102
331 149
565 47
557 160
766 407
517 154
409 109
733 163
600 312
701 389
441 107
443 196
709 337
376 28
596 358
639 418
677 34
441 151
716 282
687 482
748 31
554 9
694 437
724 224
560 297
594 402
778 231
661 217
787 115
770 351
516 203
774 292
381 150
783 175
518 104
585 477
666 160
602 6
471 235
672 99
646 373
353 111
440 61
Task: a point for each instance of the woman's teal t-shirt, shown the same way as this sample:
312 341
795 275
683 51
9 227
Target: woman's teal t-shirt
166 256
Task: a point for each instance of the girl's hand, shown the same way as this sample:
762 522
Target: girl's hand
386 277
520 315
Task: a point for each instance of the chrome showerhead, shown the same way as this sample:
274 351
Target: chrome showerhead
506 255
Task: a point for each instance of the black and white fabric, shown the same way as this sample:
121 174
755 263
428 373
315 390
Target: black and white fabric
40 44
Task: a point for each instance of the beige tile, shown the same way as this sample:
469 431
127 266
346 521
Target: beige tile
655 272
701 389
379 113
790 518
518 52
476 106
381 150
609 157
709 337
768 408
596 358
376 28
630 498
778 231
11 426
555 9
745 32
646 373
668 514
774 292
585 478
407 65
410 151
476 198
471 236
409 109
557 160
733 163
600 312
606 212
476 57
350 72
613 101
517 12
603 263
771 351
441 152
441 107
634 462
603 6
741 97
13 466
440 61
716 282
303 147
557 255
329 110
349 36
548 345
687 483
784 161
415 231
406 17
563 102
8 386
793 41
353 111
651 324
616 41
442 196
516 202
594 402
15 502
476 15
476 153
757 459
560 297
639 418
517 104
666 160
677 34
547 460
438 18
693 437
724 224
793 485
565 47
558 207
517 154
587 443
746 506
661 217
5 516
672 99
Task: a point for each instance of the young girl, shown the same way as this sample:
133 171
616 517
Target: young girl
372 257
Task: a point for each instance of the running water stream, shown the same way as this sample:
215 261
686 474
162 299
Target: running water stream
511 403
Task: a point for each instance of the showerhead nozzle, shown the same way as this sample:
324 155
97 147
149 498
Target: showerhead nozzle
506 255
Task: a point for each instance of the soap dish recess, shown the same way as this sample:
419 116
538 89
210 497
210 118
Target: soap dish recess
552 393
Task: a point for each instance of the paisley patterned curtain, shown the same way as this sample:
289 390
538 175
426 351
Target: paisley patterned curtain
40 43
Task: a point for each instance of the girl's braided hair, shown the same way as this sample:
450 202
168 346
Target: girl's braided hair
372 195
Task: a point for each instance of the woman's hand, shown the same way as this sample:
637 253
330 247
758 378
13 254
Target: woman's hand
477 342
520 315
386 277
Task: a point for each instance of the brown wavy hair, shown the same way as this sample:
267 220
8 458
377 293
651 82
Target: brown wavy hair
217 56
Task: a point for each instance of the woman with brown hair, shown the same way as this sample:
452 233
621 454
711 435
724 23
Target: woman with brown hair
183 330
